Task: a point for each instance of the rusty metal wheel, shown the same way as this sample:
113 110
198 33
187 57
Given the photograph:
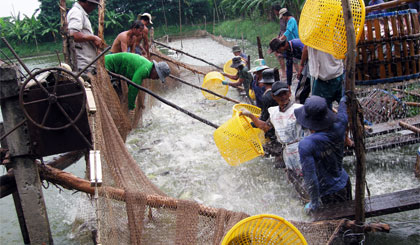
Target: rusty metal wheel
53 96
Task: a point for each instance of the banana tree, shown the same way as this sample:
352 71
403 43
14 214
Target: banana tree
31 27
50 27
17 31
112 20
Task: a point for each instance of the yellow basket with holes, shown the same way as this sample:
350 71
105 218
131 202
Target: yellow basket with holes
254 110
213 81
251 108
321 25
238 141
264 229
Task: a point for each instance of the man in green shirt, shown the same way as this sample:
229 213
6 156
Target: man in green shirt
243 76
136 68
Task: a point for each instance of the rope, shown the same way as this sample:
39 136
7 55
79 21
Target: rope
164 101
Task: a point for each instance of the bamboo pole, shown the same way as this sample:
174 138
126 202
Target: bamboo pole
64 31
355 114
101 21
206 90
177 63
192 56
406 92
387 5
412 128
416 104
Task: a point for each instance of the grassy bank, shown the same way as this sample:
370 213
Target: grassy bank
238 28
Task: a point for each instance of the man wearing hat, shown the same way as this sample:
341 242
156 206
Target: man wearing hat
291 25
290 49
146 19
256 86
321 153
236 50
243 76
283 120
80 28
136 68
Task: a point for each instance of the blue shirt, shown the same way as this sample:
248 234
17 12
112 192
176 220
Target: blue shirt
291 29
259 91
321 156
296 48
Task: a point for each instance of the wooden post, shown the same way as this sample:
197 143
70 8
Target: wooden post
260 52
64 31
26 172
417 168
101 21
355 114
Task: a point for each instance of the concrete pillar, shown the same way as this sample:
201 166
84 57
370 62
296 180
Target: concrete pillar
26 172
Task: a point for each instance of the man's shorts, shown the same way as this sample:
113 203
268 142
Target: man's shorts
331 90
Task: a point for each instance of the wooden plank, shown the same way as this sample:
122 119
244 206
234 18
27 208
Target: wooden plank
389 144
404 43
364 58
416 27
379 47
410 44
372 71
397 45
388 47
392 126
389 203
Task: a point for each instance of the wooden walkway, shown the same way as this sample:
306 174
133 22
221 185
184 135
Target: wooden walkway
374 206
392 126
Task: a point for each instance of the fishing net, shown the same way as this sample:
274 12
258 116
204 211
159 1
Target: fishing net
135 210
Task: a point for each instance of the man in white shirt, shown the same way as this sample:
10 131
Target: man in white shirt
327 74
80 28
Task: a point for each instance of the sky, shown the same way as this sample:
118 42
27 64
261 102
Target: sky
14 6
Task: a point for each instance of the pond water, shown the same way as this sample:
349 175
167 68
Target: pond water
179 155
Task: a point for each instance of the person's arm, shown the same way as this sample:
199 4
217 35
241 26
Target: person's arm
309 172
233 77
238 83
258 123
303 60
80 37
342 116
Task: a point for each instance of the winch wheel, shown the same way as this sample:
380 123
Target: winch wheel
53 96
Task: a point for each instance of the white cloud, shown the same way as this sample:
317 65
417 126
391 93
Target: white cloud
9 7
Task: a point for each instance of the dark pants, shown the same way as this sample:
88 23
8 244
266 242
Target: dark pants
339 196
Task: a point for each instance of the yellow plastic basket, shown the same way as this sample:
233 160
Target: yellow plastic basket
254 110
213 81
238 141
321 25
251 108
264 229
229 70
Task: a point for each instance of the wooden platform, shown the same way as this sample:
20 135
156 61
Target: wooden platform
374 206
392 126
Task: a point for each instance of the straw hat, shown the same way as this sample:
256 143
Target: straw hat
148 16
282 12
259 64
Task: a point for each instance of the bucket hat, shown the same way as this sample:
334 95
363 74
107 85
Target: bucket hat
162 69
259 64
268 76
315 114
236 48
279 87
237 61
275 44
282 12
147 15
